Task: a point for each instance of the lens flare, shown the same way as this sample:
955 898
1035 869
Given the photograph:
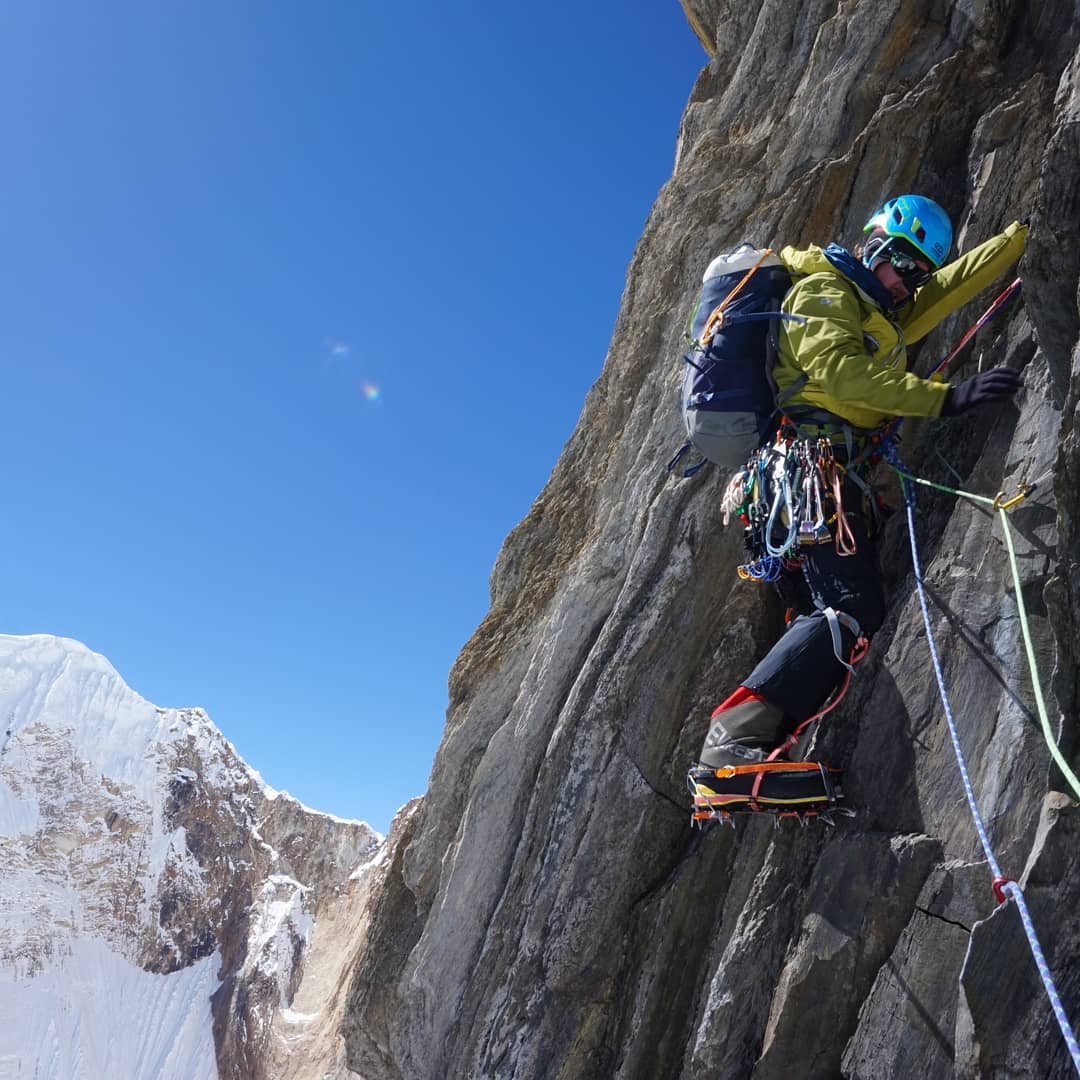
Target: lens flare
370 391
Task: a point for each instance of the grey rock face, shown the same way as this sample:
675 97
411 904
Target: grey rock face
548 912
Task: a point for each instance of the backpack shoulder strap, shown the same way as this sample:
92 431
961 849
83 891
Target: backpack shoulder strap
781 397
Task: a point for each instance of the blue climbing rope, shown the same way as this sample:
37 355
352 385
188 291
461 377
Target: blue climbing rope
1002 886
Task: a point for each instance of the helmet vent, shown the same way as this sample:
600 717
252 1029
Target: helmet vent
897 216
920 234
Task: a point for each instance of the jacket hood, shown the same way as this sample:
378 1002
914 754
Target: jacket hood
834 259
806 261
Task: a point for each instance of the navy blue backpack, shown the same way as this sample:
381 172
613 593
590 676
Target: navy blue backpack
729 399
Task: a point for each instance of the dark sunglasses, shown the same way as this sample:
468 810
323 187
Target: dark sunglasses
911 273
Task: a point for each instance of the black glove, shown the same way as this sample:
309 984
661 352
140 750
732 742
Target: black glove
987 387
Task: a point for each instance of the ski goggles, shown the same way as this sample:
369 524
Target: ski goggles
905 264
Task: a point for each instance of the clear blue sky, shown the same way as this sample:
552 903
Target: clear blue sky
298 304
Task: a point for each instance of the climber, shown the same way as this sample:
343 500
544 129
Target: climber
846 359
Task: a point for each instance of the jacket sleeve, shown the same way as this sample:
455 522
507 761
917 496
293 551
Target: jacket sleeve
961 280
829 348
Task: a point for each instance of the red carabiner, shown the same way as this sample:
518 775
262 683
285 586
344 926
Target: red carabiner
999 887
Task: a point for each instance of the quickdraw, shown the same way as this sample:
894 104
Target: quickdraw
788 496
812 529
845 539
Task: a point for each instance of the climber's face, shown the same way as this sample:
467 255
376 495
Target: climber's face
901 272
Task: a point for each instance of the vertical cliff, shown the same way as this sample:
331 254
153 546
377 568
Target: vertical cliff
547 912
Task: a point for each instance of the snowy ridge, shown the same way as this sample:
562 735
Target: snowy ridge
61 684
84 783
150 881
272 794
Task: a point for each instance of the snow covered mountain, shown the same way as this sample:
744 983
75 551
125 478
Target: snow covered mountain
160 906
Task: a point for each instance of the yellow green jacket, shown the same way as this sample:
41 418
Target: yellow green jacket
853 353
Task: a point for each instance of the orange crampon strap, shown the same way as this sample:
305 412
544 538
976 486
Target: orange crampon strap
766 767
791 789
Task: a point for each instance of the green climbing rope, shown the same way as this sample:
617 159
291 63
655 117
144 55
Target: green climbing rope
941 487
1048 733
1040 703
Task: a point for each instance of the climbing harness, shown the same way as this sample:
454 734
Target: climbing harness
805 477
789 496
835 620
1002 886
802 472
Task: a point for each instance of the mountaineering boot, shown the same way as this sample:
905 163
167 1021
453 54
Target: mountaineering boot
733 775
783 788
744 728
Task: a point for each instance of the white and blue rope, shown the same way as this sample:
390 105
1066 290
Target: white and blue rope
1005 885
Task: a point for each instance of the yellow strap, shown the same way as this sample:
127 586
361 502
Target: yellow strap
727 800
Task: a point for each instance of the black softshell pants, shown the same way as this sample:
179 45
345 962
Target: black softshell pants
802 669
